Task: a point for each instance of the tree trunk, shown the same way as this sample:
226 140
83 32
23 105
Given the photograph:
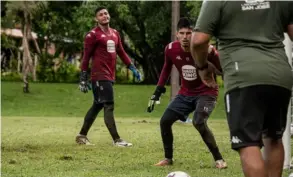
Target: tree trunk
36 44
18 62
30 37
174 73
35 67
27 61
36 56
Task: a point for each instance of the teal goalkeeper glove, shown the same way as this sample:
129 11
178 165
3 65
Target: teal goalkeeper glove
135 72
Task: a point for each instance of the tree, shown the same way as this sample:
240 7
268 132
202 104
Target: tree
145 27
23 11
58 24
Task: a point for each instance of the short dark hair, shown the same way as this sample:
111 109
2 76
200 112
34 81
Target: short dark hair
184 22
99 8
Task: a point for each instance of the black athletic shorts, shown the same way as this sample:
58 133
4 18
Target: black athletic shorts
201 105
255 112
103 91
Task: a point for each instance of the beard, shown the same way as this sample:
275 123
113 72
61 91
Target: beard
185 45
104 23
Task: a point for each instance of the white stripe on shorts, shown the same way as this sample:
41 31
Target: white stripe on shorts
227 103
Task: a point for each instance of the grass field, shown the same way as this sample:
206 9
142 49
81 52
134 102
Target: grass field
38 132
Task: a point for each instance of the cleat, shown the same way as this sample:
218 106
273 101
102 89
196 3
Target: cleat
83 140
165 162
221 164
122 143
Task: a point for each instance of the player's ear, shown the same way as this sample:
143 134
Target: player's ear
177 35
96 20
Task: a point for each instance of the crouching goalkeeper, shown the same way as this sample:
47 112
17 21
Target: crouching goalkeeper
193 95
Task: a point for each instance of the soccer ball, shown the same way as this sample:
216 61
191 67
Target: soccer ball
178 174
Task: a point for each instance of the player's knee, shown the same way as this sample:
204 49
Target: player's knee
109 107
201 128
97 106
199 122
273 135
164 119
272 142
168 118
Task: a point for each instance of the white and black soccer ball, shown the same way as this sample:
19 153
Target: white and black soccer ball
178 174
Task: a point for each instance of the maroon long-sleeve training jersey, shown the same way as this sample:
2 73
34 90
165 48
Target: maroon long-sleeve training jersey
191 84
103 50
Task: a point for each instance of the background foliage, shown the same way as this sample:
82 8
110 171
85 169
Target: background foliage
145 27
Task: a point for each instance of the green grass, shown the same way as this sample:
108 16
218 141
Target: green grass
56 100
40 147
38 132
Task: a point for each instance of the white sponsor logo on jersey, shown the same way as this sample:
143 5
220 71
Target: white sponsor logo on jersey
111 46
189 72
178 58
255 5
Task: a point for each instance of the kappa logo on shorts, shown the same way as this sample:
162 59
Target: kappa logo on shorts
206 109
235 140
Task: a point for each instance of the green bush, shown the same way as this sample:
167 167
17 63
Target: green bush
65 72
121 75
11 76
45 72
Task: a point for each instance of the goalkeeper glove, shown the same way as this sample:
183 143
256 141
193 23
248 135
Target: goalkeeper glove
84 84
135 72
155 98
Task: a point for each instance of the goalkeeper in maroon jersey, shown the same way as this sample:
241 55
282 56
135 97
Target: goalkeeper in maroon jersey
101 45
193 94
